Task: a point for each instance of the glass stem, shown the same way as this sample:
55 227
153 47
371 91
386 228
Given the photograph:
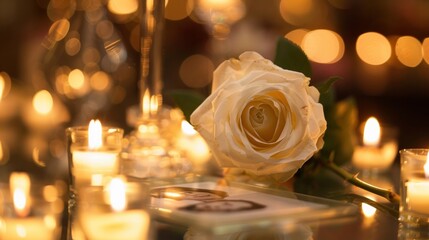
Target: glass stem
151 31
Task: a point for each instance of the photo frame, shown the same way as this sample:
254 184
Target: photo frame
217 206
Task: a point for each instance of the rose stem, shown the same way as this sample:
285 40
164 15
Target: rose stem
353 179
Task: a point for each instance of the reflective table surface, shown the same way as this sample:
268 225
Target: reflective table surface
368 221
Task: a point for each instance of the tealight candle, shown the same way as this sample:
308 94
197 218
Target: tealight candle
93 153
378 150
116 211
35 214
193 145
414 206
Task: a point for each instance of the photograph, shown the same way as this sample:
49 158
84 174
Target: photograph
212 202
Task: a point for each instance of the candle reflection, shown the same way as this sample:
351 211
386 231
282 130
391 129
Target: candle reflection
20 189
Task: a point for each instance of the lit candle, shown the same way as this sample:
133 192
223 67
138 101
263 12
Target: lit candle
44 111
25 226
20 190
418 192
374 153
94 161
194 146
120 222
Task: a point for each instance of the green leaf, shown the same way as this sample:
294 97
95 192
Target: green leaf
325 86
340 135
186 100
290 56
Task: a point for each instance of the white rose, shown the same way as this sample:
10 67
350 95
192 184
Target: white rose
261 118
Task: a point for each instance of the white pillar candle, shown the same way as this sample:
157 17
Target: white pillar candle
194 146
418 196
27 228
86 164
130 225
94 159
125 219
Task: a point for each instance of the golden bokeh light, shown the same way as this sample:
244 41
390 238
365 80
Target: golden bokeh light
122 7
295 7
178 9
296 35
59 29
409 51
196 71
76 79
72 46
61 84
425 47
58 9
291 10
43 102
221 31
104 29
323 46
215 12
373 48
100 81
135 38
50 193
35 154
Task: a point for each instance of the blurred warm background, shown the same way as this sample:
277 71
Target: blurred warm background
63 62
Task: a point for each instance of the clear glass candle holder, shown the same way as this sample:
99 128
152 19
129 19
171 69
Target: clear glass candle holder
116 210
88 166
414 206
32 215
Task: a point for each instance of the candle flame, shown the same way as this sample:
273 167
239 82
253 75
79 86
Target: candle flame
426 166
43 102
149 104
117 197
153 105
146 104
95 138
20 188
372 132
187 128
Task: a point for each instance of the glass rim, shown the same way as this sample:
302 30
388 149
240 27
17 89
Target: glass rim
108 129
419 151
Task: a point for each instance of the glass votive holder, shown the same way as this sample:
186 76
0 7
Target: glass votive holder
414 188
30 212
89 162
377 156
116 210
